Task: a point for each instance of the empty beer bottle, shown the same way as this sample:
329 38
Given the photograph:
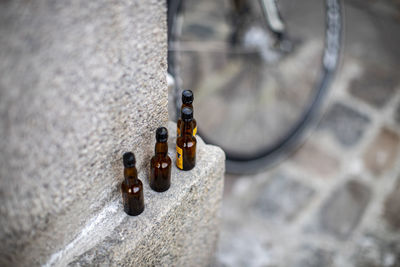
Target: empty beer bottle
160 165
131 187
186 142
187 101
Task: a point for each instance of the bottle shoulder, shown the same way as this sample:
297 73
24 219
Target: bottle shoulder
186 143
186 139
138 183
133 188
167 159
161 162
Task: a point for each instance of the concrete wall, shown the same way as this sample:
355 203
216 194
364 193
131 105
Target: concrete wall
81 82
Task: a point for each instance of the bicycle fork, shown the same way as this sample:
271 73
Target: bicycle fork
276 24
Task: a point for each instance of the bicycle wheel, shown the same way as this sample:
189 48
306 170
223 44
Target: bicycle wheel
252 98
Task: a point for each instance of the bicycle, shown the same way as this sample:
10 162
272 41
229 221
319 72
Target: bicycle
244 53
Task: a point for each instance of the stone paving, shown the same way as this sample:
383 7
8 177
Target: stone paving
336 200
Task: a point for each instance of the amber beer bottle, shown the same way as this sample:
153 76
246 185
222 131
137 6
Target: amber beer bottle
187 101
160 165
186 142
131 187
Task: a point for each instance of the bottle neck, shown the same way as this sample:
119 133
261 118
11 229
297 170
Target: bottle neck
130 175
161 148
187 127
187 105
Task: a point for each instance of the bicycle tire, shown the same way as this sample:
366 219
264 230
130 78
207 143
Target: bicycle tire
237 163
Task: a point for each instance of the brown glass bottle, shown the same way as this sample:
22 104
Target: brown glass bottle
186 142
131 187
187 101
160 165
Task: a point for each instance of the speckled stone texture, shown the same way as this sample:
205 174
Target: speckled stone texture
81 82
178 227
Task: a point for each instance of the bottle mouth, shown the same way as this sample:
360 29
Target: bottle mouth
187 114
162 134
187 97
129 160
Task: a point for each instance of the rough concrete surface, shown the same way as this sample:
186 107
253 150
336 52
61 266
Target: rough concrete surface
81 82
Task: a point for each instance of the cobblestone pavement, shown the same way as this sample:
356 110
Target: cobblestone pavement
336 200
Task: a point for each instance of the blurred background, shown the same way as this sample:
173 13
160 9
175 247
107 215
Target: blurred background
312 139
303 97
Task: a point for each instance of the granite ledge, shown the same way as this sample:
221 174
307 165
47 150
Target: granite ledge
179 226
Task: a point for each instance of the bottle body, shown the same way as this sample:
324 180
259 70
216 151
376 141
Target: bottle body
132 192
160 168
132 195
186 148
